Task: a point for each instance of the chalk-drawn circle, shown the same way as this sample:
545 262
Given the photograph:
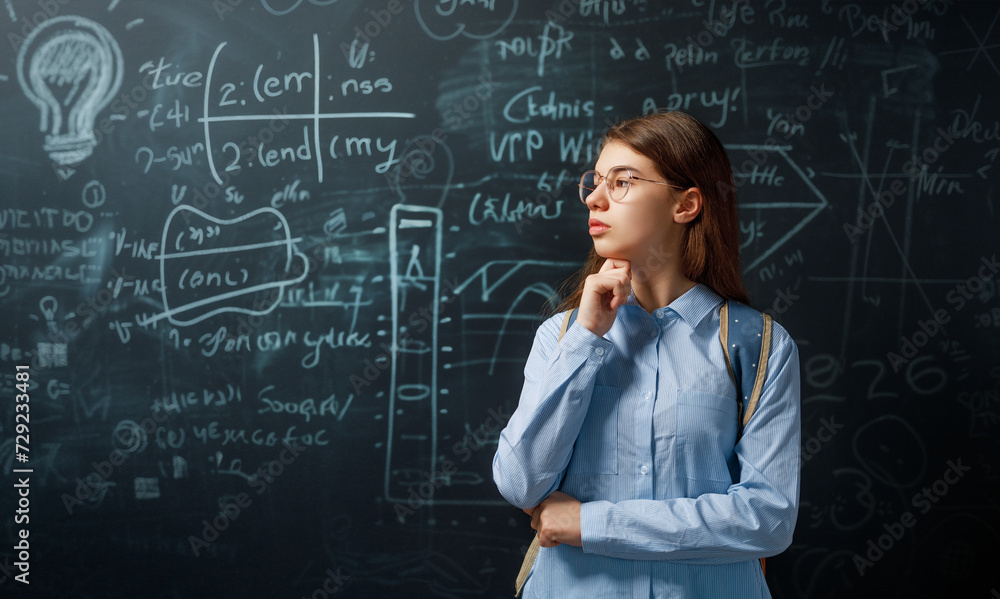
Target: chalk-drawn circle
822 370
94 194
890 449
414 392
932 378
416 162
129 437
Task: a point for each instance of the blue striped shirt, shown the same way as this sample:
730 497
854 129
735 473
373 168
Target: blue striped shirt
640 425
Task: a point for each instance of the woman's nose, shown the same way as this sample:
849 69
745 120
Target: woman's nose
598 199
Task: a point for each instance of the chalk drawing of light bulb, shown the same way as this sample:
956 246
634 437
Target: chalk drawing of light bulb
70 68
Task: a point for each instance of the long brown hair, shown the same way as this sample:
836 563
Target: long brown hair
688 154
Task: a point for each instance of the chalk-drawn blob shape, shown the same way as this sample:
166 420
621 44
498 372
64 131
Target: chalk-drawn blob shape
890 449
210 266
70 68
443 17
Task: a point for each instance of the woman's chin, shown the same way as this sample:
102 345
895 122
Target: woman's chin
608 250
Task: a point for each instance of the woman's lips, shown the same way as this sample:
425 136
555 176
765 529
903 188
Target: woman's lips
597 227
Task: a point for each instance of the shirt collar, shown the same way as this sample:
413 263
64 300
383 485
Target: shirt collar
693 306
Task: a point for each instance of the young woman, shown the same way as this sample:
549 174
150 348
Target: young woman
623 448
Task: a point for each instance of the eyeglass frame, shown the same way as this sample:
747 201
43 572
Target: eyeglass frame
607 183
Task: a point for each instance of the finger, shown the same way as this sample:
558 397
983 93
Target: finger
612 263
621 290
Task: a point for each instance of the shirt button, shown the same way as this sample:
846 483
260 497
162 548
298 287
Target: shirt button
644 470
599 351
652 333
648 394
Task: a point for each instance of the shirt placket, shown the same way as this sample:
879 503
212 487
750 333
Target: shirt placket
645 474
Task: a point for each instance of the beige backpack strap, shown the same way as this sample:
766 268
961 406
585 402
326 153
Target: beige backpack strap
758 383
529 557
724 338
565 325
529 561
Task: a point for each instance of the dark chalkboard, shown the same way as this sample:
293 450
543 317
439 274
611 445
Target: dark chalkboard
272 269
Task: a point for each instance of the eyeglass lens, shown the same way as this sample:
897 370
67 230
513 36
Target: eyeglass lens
618 182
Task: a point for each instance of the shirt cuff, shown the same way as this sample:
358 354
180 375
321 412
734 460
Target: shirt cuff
579 338
593 515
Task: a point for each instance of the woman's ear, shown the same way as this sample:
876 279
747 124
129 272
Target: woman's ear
688 205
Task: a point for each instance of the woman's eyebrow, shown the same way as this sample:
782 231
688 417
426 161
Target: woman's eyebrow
634 169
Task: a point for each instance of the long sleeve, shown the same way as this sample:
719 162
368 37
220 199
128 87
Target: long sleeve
753 518
535 447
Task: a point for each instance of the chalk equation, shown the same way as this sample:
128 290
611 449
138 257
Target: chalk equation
265 88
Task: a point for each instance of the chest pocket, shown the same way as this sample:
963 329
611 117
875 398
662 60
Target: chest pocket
706 434
596 448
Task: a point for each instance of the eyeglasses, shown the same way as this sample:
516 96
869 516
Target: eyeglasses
619 180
